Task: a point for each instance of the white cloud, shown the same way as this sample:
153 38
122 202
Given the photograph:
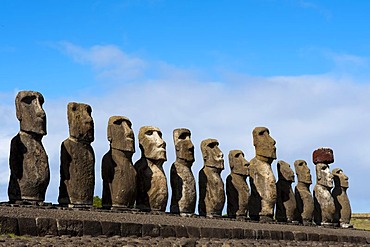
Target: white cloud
302 113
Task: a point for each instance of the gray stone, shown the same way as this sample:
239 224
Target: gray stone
151 230
211 186
92 228
118 172
237 189
262 179
343 210
27 226
286 205
8 225
28 161
70 227
323 201
152 191
46 226
77 168
182 179
131 229
303 196
111 228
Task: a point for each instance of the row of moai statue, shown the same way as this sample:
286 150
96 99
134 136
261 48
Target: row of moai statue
143 185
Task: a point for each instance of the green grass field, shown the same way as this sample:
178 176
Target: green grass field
361 221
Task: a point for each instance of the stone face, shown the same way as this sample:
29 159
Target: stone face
237 189
286 205
152 191
262 179
211 186
28 161
182 179
343 210
303 196
323 200
77 167
323 155
118 172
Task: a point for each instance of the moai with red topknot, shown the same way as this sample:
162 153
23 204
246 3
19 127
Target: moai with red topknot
324 207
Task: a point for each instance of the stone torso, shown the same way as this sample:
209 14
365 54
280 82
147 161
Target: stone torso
263 188
183 189
211 192
29 169
119 180
324 205
152 191
77 173
238 193
285 202
343 208
305 205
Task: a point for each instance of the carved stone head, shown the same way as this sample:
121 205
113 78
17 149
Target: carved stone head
324 176
30 113
264 143
151 143
238 164
212 155
120 134
183 145
323 155
340 179
284 171
80 121
303 172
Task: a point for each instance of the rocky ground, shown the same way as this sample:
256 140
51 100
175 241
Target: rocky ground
6 240
168 220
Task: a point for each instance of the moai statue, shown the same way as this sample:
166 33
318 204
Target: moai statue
323 200
182 179
343 210
28 161
118 172
152 191
286 205
303 196
211 187
262 179
237 189
77 158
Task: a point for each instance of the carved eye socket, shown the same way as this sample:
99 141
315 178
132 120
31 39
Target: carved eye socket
28 99
160 134
212 145
261 133
237 155
118 121
183 136
149 132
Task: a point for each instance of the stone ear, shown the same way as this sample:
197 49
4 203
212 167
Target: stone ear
109 133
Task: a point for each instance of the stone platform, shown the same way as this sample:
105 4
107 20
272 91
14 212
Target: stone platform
63 224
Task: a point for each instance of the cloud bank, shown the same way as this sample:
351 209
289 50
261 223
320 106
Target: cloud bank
302 112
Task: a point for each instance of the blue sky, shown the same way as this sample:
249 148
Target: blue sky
219 68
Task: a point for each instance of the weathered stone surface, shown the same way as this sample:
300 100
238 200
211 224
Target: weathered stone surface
8 225
323 155
28 161
343 210
303 196
46 226
262 179
77 167
118 172
111 228
152 191
27 226
211 186
131 229
237 189
70 227
323 200
286 205
92 228
182 179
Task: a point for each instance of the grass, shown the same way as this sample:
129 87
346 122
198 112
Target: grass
361 221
